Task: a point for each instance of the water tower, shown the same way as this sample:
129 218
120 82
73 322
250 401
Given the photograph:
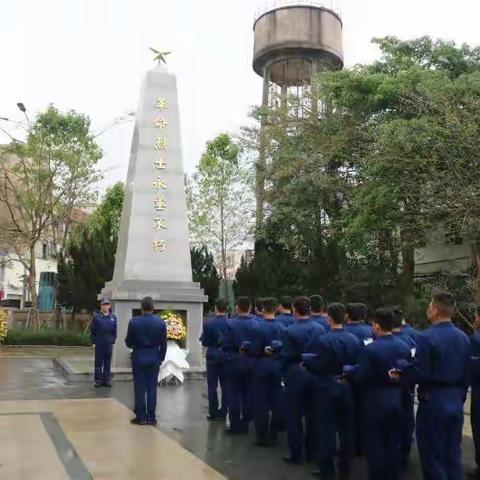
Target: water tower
294 41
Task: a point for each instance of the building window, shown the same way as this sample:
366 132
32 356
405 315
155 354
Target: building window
44 251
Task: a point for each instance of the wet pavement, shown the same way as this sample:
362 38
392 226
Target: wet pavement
182 414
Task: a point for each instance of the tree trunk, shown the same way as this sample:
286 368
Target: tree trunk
32 285
475 248
408 266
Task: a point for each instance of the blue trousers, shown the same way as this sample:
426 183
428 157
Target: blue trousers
267 398
475 421
216 376
439 433
334 416
299 409
239 392
103 361
407 427
145 368
383 415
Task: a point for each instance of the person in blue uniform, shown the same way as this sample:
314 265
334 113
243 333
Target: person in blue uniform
319 313
407 329
267 379
356 322
212 337
333 398
103 336
441 369
382 398
240 343
408 423
284 311
298 383
147 337
475 393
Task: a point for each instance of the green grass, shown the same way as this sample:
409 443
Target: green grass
61 338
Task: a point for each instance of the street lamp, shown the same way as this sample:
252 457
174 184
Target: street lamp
23 109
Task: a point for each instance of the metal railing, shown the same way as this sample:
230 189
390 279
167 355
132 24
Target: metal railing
271 5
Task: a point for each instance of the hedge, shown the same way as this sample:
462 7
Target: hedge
62 338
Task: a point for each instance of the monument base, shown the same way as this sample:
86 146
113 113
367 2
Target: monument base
185 297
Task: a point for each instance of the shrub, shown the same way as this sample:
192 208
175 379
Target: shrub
47 337
3 326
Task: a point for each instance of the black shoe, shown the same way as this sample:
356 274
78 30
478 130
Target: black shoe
215 418
230 431
318 473
98 385
153 423
137 421
293 460
108 385
262 443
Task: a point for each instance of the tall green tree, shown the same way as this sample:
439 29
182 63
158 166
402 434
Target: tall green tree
42 181
220 200
205 272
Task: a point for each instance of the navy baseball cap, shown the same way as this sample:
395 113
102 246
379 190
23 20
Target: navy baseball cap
105 301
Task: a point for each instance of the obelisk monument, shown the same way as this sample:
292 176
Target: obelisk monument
153 253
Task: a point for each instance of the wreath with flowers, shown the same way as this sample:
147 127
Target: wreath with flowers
176 329
3 326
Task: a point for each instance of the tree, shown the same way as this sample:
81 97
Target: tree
205 273
43 180
219 199
91 251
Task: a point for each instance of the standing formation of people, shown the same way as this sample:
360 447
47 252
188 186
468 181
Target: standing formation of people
341 387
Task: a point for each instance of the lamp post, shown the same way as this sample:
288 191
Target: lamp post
23 109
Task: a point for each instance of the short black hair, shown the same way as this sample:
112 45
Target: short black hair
445 302
357 311
336 311
222 305
397 316
243 304
259 304
269 305
302 306
147 304
384 317
317 303
286 302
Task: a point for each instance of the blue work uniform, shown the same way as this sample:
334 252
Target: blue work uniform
285 319
364 333
410 331
441 369
382 405
322 320
147 337
212 337
333 399
103 336
475 401
408 423
242 349
299 388
267 381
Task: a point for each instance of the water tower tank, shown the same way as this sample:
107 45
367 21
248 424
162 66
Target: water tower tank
294 40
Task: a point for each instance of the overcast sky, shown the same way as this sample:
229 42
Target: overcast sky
91 55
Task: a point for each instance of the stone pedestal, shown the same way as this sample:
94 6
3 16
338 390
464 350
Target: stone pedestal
153 254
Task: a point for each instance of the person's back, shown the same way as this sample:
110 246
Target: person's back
147 337
298 338
319 315
407 329
475 394
356 325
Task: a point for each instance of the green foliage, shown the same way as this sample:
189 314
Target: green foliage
48 337
205 273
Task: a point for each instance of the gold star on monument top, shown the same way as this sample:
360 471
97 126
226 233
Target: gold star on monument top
160 123
160 183
161 104
160 164
160 57
160 203
161 144
159 223
159 245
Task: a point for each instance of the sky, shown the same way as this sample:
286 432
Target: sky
91 56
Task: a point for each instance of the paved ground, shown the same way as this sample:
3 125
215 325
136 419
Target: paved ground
181 414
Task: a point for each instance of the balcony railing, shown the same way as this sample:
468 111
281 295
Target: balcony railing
271 5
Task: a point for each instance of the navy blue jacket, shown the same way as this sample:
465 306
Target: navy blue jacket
407 339
241 335
361 330
410 331
270 334
286 319
104 329
442 359
212 337
378 358
321 320
333 351
475 360
147 332
299 338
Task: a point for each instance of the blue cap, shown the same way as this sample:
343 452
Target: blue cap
105 301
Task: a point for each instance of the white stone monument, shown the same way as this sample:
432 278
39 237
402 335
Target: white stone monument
153 253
